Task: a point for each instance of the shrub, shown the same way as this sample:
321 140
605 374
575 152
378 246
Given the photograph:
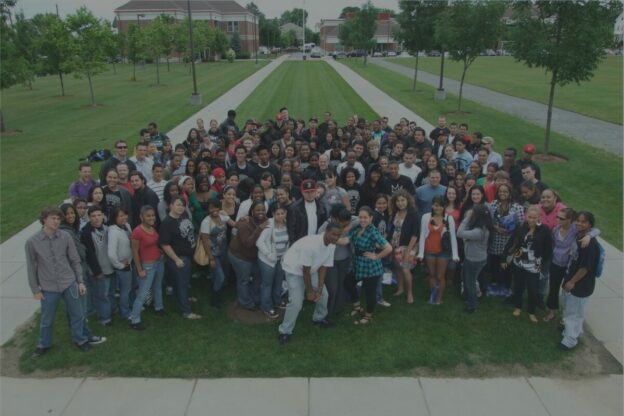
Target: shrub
230 55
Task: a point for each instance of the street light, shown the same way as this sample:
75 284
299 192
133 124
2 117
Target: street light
256 37
196 98
303 29
138 22
139 15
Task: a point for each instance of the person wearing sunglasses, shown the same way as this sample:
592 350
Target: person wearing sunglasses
120 154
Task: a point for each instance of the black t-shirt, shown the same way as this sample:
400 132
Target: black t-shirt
403 182
271 168
584 258
247 172
179 234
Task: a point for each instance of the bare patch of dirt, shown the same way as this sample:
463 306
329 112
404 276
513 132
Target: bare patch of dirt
539 157
11 132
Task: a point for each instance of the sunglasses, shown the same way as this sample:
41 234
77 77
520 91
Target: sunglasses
122 147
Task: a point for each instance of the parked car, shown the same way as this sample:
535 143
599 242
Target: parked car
377 54
339 55
316 53
391 53
356 53
433 53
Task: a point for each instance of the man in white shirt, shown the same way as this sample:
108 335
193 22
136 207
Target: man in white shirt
353 163
142 162
305 265
493 157
408 167
157 183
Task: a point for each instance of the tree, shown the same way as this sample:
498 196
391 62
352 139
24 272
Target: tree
156 42
10 61
358 33
270 34
54 46
294 16
235 43
566 38
25 43
312 37
468 28
417 27
347 10
89 34
112 48
5 10
255 10
220 42
134 46
289 39
169 23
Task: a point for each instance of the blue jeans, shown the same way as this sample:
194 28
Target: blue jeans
247 281
573 316
182 278
296 294
470 273
218 274
154 273
75 310
124 278
104 297
271 289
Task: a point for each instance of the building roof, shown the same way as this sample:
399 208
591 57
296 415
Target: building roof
181 5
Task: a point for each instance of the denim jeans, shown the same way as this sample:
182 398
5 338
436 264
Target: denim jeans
296 294
75 310
573 316
153 278
103 297
218 274
271 288
470 273
124 278
247 281
182 278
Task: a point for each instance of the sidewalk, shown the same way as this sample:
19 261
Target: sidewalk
604 315
523 396
16 302
598 133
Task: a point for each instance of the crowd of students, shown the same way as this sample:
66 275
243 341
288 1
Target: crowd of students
319 211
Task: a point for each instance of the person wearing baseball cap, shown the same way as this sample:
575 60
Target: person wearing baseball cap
528 151
219 179
307 214
494 157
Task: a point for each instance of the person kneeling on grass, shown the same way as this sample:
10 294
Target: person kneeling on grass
579 282
54 272
305 264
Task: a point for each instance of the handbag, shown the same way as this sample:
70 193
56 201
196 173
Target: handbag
200 256
446 237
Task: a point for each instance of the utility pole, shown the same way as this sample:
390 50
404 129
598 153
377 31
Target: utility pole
196 98
303 29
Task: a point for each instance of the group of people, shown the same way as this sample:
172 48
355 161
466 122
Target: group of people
319 211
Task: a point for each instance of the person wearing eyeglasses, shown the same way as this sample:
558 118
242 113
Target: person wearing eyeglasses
120 155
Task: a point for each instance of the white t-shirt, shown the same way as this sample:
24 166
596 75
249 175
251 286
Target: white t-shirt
309 251
310 208
411 172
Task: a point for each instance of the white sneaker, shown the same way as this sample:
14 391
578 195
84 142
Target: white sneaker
383 302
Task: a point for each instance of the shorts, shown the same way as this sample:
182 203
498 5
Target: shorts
398 258
441 255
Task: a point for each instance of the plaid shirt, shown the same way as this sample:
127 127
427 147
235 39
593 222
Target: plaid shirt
497 240
370 240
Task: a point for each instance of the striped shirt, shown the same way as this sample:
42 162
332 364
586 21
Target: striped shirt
280 239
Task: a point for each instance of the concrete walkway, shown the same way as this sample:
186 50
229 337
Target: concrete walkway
606 307
598 133
533 396
16 302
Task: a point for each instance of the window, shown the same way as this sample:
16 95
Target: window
232 27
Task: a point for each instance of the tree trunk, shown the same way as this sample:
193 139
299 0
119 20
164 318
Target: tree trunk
91 89
461 86
157 71
114 68
30 84
415 73
62 84
168 69
133 70
441 86
551 98
2 126
365 57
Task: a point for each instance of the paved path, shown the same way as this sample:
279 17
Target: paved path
592 131
533 396
605 309
16 302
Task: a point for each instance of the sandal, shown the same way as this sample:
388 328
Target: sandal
365 320
549 317
533 318
516 312
356 310
192 299
193 316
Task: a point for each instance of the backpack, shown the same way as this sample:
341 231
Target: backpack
601 260
99 155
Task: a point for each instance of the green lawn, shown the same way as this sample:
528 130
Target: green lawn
403 340
591 179
601 97
307 89
57 131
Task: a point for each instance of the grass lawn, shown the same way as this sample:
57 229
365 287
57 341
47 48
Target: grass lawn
403 340
591 179
601 97
307 89
57 131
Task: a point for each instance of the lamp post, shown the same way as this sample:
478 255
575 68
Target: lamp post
196 98
303 29
139 15
256 37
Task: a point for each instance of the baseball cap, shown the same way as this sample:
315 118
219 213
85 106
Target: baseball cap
218 172
308 185
529 148
487 140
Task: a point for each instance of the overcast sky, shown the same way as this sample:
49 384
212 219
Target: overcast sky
317 9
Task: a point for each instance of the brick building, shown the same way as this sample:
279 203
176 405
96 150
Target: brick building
384 34
229 16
